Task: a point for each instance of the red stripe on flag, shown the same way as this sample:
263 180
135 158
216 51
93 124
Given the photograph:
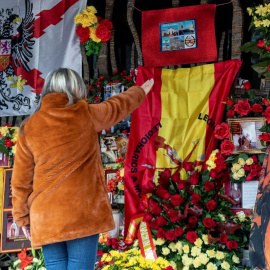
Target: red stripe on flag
150 114
51 16
225 73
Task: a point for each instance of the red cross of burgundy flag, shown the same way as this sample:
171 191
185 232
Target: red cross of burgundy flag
181 35
36 37
181 111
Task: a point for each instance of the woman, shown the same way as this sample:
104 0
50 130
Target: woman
58 183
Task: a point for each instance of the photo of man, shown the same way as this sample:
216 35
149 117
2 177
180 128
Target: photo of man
109 156
236 194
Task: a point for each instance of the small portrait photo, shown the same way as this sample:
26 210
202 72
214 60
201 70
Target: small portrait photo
245 134
236 194
112 89
109 152
122 144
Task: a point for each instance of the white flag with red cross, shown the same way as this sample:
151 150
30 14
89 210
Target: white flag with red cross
36 36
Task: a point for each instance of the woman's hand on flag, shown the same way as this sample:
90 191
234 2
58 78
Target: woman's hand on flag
147 86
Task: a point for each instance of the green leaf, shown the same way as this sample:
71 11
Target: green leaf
265 56
261 67
251 47
243 156
261 157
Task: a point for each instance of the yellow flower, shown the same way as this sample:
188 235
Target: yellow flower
249 161
267 7
257 23
122 172
13 149
260 10
205 239
178 246
186 260
197 262
4 131
186 248
93 35
211 253
211 266
91 18
160 242
120 186
172 247
195 251
236 167
241 161
241 173
249 10
225 265
235 259
211 164
78 19
91 9
235 176
204 259
186 267
220 255
165 251
266 23
198 242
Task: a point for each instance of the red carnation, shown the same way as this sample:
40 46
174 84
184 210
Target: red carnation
178 231
156 209
209 223
265 102
213 173
188 166
177 200
242 107
8 143
192 236
160 233
193 220
267 114
232 244
247 85
211 205
194 179
231 113
153 224
223 239
176 177
173 216
83 33
170 235
103 32
181 184
257 108
147 217
169 268
229 102
208 186
161 221
222 131
260 43
107 23
227 147
195 198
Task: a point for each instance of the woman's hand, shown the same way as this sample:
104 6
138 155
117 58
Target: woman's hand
147 86
26 231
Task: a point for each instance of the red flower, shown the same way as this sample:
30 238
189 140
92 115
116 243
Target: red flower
253 173
229 102
265 136
160 233
173 216
255 159
265 102
247 85
223 239
258 167
208 186
177 200
161 221
191 236
222 131
8 143
156 209
181 184
152 202
178 231
242 107
142 206
107 23
153 224
193 220
7 125
227 147
213 173
267 114
268 48
176 177
231 113
170 235
163 193
232 244
260 43
188 166
249 178
103 32
209 223
194 179
147 217
268 67
166 174
220 162
211 205
25 260
247 168
257 108
96 98
83 33
195 198
168 268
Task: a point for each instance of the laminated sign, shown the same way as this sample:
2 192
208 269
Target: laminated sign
179 36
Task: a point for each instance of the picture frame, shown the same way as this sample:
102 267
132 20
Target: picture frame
4 160
7 193
12 236
109 174
245 134
108 149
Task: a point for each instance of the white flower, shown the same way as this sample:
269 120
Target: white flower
165 251
186 248
241 161
205 239
42 268
172 247
198 242
173 264
195 251
211 253
241 215
249 161
37 261
186 260
204 259
211 266
197 262
160 242
235 259
28 267
16 262
225 265
178 246
220 255
222 217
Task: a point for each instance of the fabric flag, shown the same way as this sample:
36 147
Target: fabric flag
182 110
181 35
35 37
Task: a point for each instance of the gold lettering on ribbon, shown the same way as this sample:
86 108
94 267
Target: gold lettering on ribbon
146 241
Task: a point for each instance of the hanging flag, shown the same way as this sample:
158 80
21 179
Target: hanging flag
35 37
176 121
181 35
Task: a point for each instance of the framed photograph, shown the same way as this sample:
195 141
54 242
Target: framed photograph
122 144
12 236
7 193
245 134
110 174
4 160
108 149
112 89
236 194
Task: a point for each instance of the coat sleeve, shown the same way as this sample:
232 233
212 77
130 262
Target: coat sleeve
22 182
112 111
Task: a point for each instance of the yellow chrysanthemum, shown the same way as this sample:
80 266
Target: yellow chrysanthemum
78 19
120 186
91 9
122 172
93 35
4 131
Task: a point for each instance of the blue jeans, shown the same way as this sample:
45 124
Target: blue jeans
75 254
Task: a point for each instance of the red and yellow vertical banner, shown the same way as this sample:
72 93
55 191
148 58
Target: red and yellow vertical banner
182 109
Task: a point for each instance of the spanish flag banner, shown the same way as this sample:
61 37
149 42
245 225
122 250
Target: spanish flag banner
175 122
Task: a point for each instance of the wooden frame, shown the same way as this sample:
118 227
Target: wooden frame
245 133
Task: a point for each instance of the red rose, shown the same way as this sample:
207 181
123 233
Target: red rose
229 102
258 167
268 48
252 166
153 224
223 239
177 200
267 114
103 32
161 221
194 179
169 268
173 216
178 231
160 233
242 107
222 131
188 166
191 236
147 216
107 23
211 205
260 43
195 198
231 113
181 184
8 143
255 159
176 177
142 206
166 174
208 186
253 173
193 220
249 178
162 193
232 244
213 173
96 98
265 137
83 33
169 235
247 85
257 108
247 168
227 147
220 163
156 209
209 223
265 102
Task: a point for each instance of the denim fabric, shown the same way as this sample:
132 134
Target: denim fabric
77 254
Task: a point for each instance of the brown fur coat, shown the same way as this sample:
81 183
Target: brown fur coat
58 183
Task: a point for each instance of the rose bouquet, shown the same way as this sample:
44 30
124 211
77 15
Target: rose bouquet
92 30
131 259
191 220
